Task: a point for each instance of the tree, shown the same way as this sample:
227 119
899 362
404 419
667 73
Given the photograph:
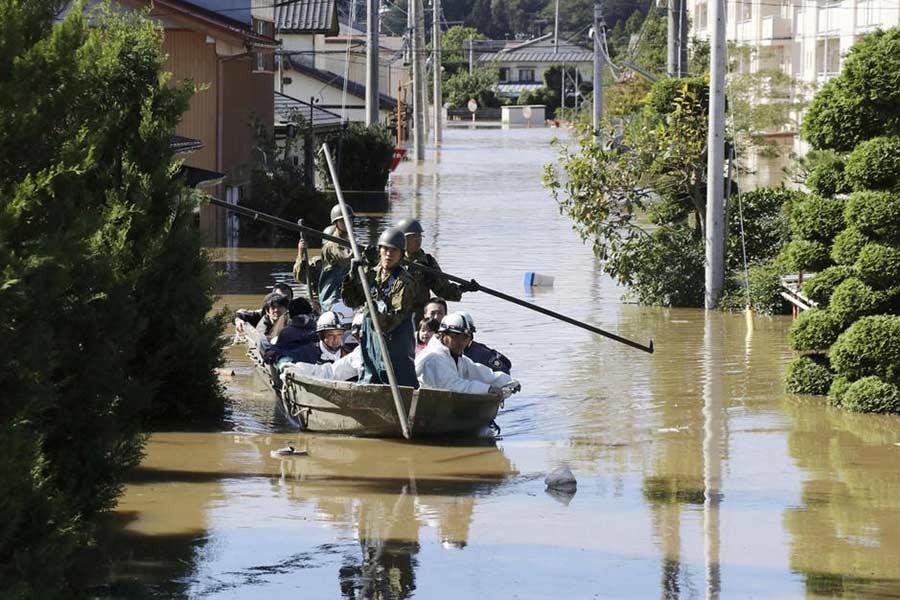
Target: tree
479 85
106 291
455 48
864 101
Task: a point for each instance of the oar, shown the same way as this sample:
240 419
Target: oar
370 303
256 215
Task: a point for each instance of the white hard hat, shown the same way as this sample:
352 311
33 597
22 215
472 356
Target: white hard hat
329 320
455 322
469 321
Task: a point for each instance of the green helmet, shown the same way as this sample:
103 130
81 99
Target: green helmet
337 215
393 238
409 226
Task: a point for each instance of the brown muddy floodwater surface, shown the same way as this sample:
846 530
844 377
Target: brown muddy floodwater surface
698 477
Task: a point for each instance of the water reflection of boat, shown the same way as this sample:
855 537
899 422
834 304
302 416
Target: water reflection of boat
330 406
388 493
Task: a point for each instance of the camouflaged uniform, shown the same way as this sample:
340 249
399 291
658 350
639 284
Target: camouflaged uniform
334 267
429 282
394 293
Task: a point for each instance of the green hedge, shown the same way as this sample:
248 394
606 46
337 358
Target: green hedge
847 245
815 330
872 395
853 299
874 164
871 346
837 390
820 288
808 375
805 255
879 265
765 290
817 218
827 178
876 214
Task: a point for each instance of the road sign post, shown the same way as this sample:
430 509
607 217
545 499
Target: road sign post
472 106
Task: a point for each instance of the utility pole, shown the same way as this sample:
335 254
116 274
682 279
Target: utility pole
418 80
598 68
436 59
715 214
372 28
470 55
556 29
676 38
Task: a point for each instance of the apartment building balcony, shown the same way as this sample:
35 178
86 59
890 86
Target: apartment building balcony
775 30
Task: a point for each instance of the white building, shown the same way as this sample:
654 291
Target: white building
806 39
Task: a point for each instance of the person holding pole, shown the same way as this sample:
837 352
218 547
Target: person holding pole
430 280
335 262
393 291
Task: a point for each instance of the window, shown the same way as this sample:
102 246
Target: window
746 10
263 61
702 15
504 74
866 14
526 75
828 57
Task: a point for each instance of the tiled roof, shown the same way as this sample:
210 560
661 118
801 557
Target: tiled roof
307 16
539 55
385 102
180 144
286 106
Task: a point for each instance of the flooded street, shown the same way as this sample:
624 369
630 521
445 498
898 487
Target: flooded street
698 477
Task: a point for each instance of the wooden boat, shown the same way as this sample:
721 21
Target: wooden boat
332 406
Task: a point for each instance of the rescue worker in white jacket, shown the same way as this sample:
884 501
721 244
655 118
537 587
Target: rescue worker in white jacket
442 364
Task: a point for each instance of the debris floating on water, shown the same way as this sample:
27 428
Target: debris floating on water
561 479
225 372
287 451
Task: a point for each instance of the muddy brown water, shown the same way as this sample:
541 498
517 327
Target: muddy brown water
698 477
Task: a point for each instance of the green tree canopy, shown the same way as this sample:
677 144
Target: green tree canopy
862 102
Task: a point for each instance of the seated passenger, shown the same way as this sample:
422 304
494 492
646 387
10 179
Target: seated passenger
442 364
253 317
436 308
426 330
346 368
484 355
291 336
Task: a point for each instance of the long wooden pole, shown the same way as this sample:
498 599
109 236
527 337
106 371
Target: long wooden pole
370 303
256 215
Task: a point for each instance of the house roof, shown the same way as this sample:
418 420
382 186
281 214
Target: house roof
385 102
538 55
180 144
286 106
177 10
307 16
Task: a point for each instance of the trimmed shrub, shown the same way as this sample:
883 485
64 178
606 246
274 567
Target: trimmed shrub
876 214
818 219
874 164
827 178
805 255
815 330
871 346
872 395
820 288
766 228
879 265
837 390
765 290
847 246
853 299
808 375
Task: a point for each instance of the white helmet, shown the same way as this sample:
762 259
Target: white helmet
469 321
455 322
329 320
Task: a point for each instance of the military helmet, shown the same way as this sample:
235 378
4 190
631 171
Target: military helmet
328 320
337 215
328 230
410 226
455 322
393 237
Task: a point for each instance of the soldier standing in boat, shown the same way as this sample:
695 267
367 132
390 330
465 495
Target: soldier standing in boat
428 281
334 265
393 291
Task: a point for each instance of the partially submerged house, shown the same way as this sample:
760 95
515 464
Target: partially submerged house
521 66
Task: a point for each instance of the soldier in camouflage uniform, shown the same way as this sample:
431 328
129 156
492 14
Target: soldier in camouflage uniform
427 281
334 265
393 291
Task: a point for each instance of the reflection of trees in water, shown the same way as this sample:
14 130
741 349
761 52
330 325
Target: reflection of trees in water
845 535
386 570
